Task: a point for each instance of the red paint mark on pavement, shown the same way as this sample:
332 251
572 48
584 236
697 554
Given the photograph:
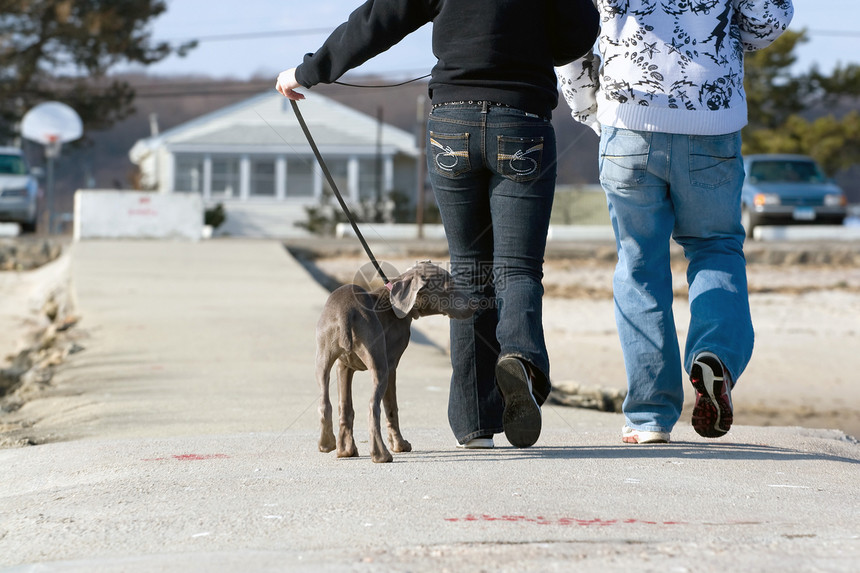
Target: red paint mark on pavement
190 457
541 520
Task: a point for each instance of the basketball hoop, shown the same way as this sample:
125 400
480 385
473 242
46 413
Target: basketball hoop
51 123
53 144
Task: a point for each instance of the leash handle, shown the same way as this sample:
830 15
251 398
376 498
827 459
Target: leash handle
337 194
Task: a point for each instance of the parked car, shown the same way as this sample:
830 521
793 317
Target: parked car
789 190
19 189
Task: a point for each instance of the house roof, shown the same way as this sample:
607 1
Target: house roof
267 121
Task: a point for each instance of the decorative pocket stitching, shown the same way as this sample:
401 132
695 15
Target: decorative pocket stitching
448 161
520 155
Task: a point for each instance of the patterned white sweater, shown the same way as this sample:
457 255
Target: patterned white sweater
673 66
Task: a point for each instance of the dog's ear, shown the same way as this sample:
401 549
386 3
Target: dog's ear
404 293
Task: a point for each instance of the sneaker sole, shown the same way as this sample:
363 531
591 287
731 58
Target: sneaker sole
712 415
635 440
478 444
634 437
521 418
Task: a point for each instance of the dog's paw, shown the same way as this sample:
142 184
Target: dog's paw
327 444
382 457
400 446
347 452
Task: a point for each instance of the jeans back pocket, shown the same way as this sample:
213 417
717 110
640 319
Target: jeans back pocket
450 153
623 156
715 160
519 158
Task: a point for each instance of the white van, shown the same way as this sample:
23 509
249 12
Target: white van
19 189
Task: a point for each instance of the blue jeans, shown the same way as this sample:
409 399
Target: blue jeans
686 187
493 173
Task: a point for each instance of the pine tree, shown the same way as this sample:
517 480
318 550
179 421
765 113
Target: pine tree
62 50
801 113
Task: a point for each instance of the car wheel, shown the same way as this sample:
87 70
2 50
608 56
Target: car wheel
749 221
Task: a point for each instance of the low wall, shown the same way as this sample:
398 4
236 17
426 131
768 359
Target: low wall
373 231
137 215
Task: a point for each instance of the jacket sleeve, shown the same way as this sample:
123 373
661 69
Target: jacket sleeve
574 25
580 81
371 29
760 22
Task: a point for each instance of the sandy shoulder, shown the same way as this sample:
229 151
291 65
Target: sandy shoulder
23 295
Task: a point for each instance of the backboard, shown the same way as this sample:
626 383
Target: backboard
51 123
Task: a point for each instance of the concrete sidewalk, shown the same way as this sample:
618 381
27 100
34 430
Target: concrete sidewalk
184 439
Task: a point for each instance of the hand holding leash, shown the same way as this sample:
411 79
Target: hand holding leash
287 84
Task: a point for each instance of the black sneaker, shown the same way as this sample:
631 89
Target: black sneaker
521 419
712 414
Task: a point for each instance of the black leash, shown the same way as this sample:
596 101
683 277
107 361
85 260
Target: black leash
376 86
337 194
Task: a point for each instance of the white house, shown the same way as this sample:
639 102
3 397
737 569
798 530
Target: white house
253 158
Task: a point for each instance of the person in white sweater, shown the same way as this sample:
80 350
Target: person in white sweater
665 93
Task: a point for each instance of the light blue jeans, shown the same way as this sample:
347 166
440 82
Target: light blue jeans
660 186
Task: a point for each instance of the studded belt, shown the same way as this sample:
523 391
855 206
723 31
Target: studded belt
471 102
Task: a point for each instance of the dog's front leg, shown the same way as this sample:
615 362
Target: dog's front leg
346 442
395 438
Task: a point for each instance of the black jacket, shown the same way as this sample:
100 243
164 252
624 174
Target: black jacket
495 50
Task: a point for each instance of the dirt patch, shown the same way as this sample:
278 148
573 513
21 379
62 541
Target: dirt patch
46 337
25 254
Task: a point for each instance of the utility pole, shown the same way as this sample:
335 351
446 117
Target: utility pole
379 215
422 164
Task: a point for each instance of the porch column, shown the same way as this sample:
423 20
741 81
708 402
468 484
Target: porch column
388 175
207 177
244 177
352 179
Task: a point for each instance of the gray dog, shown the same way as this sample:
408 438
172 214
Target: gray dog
364 330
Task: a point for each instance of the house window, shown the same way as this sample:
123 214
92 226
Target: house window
189 174
370 175
225 177
300 178
263 178
339 169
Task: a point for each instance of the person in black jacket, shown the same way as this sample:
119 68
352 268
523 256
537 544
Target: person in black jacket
491 155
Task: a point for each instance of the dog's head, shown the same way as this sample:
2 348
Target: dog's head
427 289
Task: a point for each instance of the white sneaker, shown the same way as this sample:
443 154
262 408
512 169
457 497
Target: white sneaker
631 436
478 444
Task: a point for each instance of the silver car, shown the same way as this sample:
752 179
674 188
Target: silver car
788 190
19 189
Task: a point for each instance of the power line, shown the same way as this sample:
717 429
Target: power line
317 31
253 35
835 33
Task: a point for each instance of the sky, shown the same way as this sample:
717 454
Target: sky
241 39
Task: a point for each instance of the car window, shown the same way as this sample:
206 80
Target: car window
12 165
790 171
